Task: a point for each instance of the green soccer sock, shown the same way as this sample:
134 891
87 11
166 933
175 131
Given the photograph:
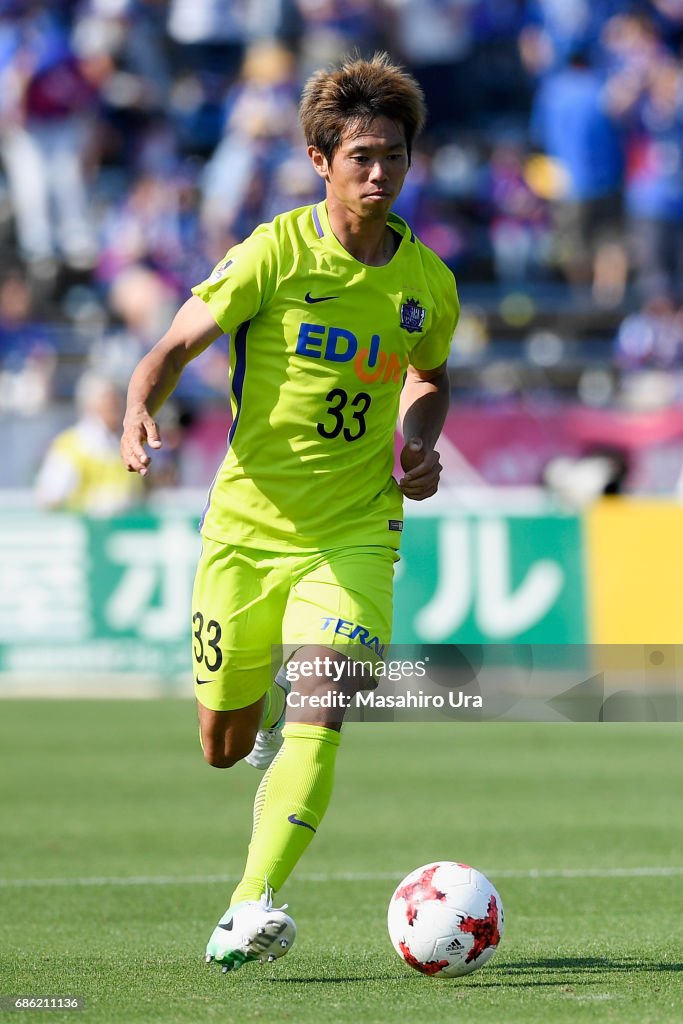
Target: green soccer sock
288 808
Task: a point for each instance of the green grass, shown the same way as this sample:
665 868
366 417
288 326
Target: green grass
118 790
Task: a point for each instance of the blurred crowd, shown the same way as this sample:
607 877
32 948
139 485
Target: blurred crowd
139 139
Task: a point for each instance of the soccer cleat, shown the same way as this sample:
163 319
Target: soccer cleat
269 741
250 931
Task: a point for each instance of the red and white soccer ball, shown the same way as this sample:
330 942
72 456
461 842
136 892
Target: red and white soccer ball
446 919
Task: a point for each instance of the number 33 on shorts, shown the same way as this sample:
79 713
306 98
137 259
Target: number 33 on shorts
206 649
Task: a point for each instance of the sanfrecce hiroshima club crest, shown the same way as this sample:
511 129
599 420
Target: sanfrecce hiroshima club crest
412 316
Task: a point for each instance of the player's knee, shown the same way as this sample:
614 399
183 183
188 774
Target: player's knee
218 758
224 755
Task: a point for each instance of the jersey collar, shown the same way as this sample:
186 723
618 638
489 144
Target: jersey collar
321 226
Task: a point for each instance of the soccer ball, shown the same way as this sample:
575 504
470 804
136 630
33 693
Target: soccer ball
446 919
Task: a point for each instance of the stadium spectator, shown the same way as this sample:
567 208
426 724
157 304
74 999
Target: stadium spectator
209 38
654 183
82 471
154 223
260 130
630 47
210 33
140 301
45 102
652 337
434 37
331 28
572 124
519 223
124 56
21 330
165 141
28 349
560 28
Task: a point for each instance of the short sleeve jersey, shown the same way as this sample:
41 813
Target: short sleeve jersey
319 348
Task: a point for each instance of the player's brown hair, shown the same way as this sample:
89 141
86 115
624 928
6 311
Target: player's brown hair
356 92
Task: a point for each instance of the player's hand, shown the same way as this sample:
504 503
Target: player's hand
422 470
139 428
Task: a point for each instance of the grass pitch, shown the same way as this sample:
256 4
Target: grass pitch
118 846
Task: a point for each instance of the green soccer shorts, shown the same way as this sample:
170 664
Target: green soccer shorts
247 604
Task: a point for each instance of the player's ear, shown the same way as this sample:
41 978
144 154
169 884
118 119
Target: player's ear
319 161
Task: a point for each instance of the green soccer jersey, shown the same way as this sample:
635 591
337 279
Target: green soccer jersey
319 347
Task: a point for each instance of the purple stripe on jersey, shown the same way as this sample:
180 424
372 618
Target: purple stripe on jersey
316 221
208 502
239 372
240 345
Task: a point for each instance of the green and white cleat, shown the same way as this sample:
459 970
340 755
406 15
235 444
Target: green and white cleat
251 931
269 741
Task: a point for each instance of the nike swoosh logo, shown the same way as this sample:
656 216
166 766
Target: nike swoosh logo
297 821
200 682
227 926
324 298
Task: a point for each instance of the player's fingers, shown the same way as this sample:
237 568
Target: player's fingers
423 486
134 456
413 487
137 465
425 469
420 493
423 475
431 464
152 432
412 454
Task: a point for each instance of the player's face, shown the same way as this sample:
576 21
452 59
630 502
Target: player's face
367 171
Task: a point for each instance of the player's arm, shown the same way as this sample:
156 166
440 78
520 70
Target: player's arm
423 408
157 374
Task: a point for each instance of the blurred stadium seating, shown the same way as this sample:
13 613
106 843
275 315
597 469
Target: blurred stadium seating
140 138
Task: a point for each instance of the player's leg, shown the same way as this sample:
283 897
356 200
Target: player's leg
347 591
228 736
252 733
238 602
237 605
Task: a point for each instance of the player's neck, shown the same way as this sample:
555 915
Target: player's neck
368 240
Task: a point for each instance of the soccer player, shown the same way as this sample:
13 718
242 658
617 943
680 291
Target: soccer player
340 320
